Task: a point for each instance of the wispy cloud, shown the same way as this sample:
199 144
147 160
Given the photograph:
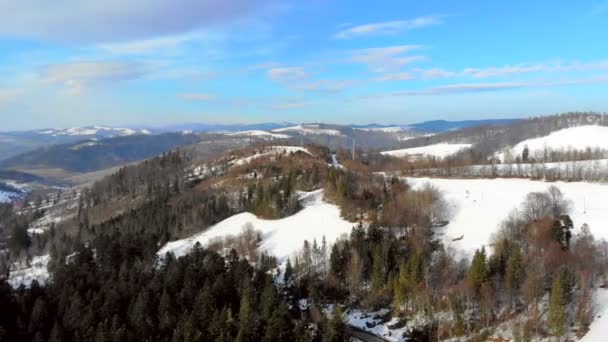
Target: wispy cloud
287 74
516 69
400 76
386 59
197 97
74 77
288 105
387 27
118 20
462 88
168 45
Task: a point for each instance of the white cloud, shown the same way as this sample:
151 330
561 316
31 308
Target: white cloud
74 77
287 74
200 97
387 27
386 59
117 20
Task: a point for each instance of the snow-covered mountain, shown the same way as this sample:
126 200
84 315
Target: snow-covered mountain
100 131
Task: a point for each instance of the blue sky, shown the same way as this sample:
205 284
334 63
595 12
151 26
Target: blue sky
130 62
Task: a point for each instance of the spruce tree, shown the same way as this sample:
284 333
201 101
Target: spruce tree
557 308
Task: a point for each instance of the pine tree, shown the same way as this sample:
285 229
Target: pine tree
288 271
557 308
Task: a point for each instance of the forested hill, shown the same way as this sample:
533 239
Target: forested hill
93 155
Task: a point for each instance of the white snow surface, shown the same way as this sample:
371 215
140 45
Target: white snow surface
598 330
308 129
574 138
281 238
478 206
440 150
21 273
260 134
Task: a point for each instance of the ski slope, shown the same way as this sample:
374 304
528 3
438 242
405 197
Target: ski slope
441 150
281 238
574 138
478 206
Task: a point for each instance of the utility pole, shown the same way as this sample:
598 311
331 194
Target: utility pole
353 146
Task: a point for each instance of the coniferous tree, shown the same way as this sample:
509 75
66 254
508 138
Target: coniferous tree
557 308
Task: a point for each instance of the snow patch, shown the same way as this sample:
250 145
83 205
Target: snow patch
22 273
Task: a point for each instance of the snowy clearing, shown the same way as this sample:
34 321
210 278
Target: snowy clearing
21 273
308 129
441 150
281 238
271 151
478 206
260 134
574 138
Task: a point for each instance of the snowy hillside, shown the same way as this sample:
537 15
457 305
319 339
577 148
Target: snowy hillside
309 129
574 138
260 134
478 206
388 129
280 238
437 150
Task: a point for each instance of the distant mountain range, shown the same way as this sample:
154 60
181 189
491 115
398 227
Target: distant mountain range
18 142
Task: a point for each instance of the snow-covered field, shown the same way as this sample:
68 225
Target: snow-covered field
281 238
309 129
441 150
21 273
260 134
574 138
478 206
